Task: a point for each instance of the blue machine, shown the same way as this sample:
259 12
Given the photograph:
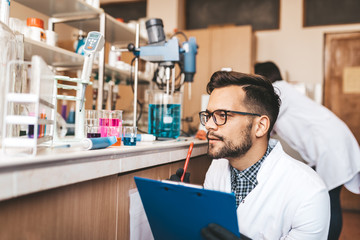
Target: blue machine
164 116
167 53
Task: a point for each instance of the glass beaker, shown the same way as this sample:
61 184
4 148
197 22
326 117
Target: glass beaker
129 135
115 125
164 117
104 122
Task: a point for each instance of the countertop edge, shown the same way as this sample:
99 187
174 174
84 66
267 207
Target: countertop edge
58 169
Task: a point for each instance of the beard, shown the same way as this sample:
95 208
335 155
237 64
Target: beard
229 149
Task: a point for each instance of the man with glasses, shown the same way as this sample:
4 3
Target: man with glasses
276 197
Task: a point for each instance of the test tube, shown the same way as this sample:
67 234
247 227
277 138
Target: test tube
31 127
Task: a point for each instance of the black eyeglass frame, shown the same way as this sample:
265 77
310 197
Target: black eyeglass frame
226 112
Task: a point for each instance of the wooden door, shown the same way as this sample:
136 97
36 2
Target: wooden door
342 78
341 90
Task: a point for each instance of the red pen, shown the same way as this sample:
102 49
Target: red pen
187 160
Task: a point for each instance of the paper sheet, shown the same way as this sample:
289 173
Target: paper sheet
139 225
351 80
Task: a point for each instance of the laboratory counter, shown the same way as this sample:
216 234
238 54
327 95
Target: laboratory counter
69 193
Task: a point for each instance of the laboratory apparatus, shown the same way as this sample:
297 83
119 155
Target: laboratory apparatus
39 101
106 92
115 125
98 143
94 43
73 122
129 135
164 116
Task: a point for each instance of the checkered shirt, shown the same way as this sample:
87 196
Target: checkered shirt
243 182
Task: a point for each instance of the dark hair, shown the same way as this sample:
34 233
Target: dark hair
268 70
260 94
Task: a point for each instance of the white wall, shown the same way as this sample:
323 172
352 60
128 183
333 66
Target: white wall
298 51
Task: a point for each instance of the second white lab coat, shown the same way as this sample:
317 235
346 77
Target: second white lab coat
290 201
320 137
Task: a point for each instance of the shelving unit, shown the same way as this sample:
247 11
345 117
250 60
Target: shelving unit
53 56
63 59
39 100
115 31
80 15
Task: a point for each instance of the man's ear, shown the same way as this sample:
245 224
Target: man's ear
262 125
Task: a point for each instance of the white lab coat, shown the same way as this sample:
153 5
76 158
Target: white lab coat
289 202
320 137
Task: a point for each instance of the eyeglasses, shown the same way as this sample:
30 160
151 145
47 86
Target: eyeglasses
220 116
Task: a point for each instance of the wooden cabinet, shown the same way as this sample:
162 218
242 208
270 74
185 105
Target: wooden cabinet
80 211
95 209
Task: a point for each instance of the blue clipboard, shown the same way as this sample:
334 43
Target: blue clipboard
179 212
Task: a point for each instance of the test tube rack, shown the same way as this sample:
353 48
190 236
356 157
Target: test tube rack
35 97
67 84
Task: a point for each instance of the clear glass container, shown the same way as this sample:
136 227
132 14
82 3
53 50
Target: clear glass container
164 117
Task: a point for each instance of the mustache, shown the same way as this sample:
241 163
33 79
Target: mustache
211 134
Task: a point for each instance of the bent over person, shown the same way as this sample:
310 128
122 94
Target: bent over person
322 139
276 197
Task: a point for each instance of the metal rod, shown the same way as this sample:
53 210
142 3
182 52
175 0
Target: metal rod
136 72
167 78
173 81
101 65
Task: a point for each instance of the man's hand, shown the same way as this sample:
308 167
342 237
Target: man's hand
177 177
216 232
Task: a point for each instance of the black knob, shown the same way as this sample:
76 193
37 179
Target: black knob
131 47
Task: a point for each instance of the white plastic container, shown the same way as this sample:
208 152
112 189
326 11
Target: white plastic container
36 29
51 37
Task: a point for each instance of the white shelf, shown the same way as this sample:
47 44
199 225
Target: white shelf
59 57
27 98
54 56
11 119
118 32
52 8
26 120
115 31
22 98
